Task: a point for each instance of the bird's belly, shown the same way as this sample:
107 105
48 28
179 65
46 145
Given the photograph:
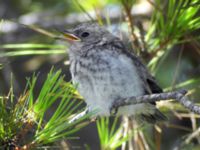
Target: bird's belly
101 89
100 95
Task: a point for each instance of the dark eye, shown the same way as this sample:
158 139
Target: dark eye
85 34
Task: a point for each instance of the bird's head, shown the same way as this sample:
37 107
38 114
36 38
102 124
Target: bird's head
87 35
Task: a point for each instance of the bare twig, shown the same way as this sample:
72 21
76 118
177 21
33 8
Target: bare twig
178 127
180 96
163 44
155 6
177 67
129 19
193 135
142 33
83 10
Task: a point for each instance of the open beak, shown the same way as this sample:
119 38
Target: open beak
70 37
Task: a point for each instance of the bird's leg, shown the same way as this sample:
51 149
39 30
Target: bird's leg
180 96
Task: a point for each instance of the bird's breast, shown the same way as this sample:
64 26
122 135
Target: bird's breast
104 78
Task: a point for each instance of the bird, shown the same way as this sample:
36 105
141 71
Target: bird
105 71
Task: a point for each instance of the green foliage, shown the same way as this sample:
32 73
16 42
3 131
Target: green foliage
92 4
25 49
185 84
28 114
171 24
58 125
10 121
111 134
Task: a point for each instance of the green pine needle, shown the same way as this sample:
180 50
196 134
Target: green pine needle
12 50
29 113
111 134
170 25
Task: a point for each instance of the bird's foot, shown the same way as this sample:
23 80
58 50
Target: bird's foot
114 108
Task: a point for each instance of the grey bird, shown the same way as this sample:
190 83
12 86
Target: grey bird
105 71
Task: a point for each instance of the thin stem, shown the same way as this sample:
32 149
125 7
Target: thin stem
155 6
162 46
177 67
130 21
180 96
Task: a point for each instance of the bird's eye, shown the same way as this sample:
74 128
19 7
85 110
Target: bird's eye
85 34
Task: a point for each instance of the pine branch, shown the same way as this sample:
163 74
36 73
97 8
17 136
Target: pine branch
180 96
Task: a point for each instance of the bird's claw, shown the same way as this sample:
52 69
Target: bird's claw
183 91
113 109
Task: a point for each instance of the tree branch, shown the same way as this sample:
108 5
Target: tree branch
180 96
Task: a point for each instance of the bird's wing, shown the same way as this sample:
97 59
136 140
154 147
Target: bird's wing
149 82
145 75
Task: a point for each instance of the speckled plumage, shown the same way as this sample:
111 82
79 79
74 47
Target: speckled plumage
105 72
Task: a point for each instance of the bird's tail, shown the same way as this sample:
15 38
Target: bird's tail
154 117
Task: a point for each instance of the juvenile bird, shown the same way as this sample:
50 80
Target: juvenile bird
105 71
